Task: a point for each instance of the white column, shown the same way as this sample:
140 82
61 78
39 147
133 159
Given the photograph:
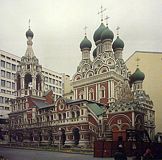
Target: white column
133 123
96 92
33 82
42 85
109 90
76 94
112 89
22 83
86 92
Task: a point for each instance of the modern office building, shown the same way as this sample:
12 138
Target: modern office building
151 64
8 69
68 89
53 81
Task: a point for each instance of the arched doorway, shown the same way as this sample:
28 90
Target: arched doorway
76 136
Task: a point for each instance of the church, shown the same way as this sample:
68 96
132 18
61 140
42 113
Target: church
108 99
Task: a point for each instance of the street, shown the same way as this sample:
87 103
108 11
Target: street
23 154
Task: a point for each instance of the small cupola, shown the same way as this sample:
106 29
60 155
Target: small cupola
85 44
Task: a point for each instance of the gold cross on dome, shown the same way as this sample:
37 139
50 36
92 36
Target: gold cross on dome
101 12
29 23
137 59
85 30
107 17
117 29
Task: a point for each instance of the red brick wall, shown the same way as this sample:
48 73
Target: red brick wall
113 122
92 120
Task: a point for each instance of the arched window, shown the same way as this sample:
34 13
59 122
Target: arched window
81 95
102 92
91 94
64 115
78 113
59 116
72 114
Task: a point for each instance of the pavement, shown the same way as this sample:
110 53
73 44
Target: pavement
24 154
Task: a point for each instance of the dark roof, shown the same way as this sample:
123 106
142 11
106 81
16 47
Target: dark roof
95 108
40 103
68 101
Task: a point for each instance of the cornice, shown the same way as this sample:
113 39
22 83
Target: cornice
97 78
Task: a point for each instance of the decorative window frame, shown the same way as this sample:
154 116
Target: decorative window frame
102 89
91 94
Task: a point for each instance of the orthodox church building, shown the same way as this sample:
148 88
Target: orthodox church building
106 80
108 100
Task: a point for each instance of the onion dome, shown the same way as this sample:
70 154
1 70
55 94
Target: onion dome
85 43
107 34
98 32
29 33
137 76
95 53
118 44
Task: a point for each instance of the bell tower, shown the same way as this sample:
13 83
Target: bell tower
29 78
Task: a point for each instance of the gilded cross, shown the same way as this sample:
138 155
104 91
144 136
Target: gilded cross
101 12
107 17
137 59
29 23
117 29
85 30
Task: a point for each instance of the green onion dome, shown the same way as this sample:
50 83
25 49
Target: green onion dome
118 44
107 34
29 33
85 43
137 76
98 32
95 53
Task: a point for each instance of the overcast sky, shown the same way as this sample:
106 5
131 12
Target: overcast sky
58 27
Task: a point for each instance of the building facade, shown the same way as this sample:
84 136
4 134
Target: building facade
53 81
106 80
150 63
8 69
108 100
